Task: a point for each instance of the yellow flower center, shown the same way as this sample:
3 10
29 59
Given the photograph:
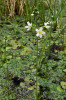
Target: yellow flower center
29 26
45 26
39 32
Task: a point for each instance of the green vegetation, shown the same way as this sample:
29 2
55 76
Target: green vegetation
32 50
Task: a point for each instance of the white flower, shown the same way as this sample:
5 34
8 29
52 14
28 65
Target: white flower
32 14
46 25
40 32
29 26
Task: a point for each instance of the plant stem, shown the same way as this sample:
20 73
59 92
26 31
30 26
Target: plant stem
43 50
7 73
36 71
61 2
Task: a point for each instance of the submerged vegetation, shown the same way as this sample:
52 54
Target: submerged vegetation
32 50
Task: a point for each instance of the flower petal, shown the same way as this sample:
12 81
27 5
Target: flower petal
43 32
46 23
28 23
36 30
47 27
37 34
28 29
40 36
31 24
41 29
26 26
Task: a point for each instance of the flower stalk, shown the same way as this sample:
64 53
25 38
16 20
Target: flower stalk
37 73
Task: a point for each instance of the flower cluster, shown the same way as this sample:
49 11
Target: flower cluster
39 31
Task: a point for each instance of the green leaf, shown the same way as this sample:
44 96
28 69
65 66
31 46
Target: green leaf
31 88
64 70
59 89
63 84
